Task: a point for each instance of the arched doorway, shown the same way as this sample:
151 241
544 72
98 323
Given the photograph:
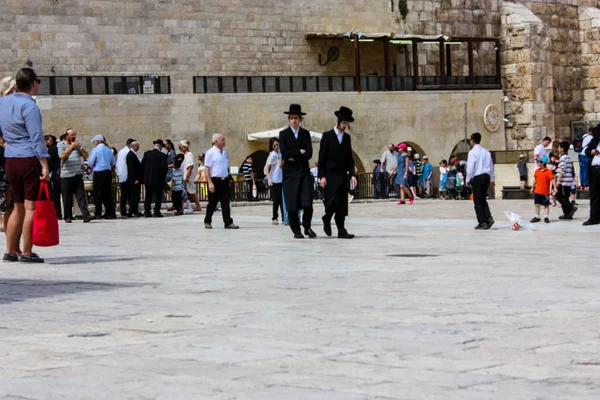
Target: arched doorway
461 150
358 163
416 148
259 159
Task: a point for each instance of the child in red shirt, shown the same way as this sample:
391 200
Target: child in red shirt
543 180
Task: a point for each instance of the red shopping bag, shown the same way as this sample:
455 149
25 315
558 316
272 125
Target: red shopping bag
45 222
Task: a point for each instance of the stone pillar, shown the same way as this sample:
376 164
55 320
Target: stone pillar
589 25
527 77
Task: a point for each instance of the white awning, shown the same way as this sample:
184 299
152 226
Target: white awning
266 135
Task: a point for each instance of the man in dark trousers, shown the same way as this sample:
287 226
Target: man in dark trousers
154 165
336 169
593 153
296 150
135 176
480 176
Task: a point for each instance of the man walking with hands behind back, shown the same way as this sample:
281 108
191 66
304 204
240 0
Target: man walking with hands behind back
26 163
216 164
480 175
336 166
296 149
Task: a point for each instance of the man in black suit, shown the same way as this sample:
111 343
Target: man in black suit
155 169
336 167
593 153
135 175
296 149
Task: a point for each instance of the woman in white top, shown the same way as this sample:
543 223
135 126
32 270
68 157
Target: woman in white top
275 177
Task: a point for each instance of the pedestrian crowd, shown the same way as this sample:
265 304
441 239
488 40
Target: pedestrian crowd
27 157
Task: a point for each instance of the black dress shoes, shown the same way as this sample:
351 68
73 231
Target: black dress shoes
482 225
490 223
310 233
327 227
298 235
157 215
148 215
345 235
590 223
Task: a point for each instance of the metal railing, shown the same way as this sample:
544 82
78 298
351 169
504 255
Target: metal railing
289 84
103 85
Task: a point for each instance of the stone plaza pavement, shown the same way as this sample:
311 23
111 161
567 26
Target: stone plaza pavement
418 306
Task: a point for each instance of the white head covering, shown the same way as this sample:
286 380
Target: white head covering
6 85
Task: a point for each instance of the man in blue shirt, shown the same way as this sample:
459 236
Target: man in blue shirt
102 161
26 163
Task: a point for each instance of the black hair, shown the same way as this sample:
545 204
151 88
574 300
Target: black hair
170 143
26 77
272 143
547 138
444 161
178 160
565 146
129 141
476 137
46 137
62 137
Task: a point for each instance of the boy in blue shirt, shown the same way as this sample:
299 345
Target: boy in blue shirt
427 174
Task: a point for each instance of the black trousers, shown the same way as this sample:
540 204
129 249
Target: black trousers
74 186
595 195
222 195
135 192
124 198
481 184
333 211
276 196
249 185
176 197
153 193
103 193
563 195
55 193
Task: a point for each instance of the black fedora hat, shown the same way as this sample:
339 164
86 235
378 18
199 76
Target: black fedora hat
344 114
159 142
295 109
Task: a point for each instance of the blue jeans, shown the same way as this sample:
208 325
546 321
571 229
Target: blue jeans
584 170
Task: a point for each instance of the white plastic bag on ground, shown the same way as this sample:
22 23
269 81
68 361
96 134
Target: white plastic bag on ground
517 221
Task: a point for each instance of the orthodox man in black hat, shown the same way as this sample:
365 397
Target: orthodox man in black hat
154 165
296 150
336 169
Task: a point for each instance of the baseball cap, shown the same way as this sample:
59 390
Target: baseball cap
543 160
402 146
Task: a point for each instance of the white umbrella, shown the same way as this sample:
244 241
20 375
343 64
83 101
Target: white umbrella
266 135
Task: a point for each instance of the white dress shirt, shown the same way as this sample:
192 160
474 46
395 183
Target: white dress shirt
479 163
596 159
121 165
218 162
296 131
339 134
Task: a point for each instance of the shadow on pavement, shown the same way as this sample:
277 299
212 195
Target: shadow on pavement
13 290
88 259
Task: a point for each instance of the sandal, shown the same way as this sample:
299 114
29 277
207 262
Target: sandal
275 222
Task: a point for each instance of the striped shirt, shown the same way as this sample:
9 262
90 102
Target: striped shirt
72 165
246 170
565 170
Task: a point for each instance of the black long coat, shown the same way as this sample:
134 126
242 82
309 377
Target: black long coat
155 168
134 168
336 164
298 183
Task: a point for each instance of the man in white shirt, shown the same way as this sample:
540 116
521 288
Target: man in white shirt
121 169
540 150
216 164
480 175
389 160
189 172
593 152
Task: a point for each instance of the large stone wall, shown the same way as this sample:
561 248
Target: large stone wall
433 122
183 38
589 22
